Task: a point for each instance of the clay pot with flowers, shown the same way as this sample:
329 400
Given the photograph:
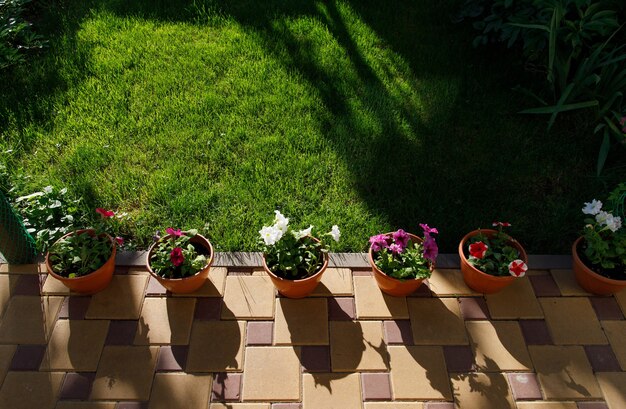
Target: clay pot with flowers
181 260
491 259
401 261
294 259
599 255
84 260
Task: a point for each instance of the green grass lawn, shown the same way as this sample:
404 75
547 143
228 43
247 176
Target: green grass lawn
368 115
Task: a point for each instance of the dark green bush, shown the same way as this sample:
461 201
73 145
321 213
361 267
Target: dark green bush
16 34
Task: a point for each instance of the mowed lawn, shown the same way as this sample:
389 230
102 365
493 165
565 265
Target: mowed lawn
370 115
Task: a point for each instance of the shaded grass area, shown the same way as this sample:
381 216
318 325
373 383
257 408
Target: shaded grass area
372 117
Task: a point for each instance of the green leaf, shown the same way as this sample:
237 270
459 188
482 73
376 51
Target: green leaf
604 152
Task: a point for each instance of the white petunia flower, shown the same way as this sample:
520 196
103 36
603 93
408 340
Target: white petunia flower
281 222
602 217
270 235
303 233
335 232
593 207
614 223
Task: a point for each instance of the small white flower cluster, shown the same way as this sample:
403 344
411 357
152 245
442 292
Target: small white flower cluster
271 234
594 208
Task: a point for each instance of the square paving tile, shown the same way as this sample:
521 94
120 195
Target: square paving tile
7 287
515 301
371 302
52 286
613 385
499 346
301 322
21 268
286 406
602 358
449 283
376 386
75 345
74 308
208 309
216 346
261 366
419 373
547 405
226 387
525 386
331 391
315 358
155 288
28 390
398 332
213 287
436 321
165 321
459 358
169 388
125 372
564 372
616 332
592 405
544 286
357 346
335 282
567 283
482 390
260 333
77 385
341 308
473 308
248 297
572 321
29 320
172 358
536 332
27 357
121 300
606 308
6 357
121 332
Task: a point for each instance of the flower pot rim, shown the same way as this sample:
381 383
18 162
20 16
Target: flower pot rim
370 257
320 271
590 271
167 236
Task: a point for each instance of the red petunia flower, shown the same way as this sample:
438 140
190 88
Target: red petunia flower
120 241
105 213
517 268
503 224
478 249
176 256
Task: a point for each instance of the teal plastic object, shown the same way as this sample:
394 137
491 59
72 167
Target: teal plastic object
16 245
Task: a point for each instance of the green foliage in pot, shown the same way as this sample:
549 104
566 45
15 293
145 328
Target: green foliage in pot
494 254
174 256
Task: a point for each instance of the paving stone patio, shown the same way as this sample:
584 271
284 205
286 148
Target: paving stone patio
542 343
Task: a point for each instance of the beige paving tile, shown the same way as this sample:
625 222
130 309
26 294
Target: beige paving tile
616 332
437 321
572 321
564 372
613 385
165 321
216 346
28 390
29 320
21 269
261 367
301 322
371 302
213 287
482 390
239 406
125 373
547 405
567 283
331 391
138 270
515 301
449 282
498 346
85 405
419 373
121 300
170 390
248 297
621 300
7 286
52 286
75 345
6 355
335 282
357 346
394 405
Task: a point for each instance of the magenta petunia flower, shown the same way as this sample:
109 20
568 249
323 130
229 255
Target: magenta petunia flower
396 248
401 238
174 232
176 256
120 241
105 213
428 230
379 242
478 249
431 250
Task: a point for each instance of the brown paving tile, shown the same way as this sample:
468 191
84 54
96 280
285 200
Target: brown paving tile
515 301
567 283
165 321
20 268
482 390
362 273
613 385
74 308
121 300
439 405
6 357
85 405
213 287
29 285
606 308
357 346
419 373
395 405
376 386
398 332
29 320
459 358
371 302
7 287
75 345
286 406
260 368
564 372
436 321
208 309
28 390
77 385
341 308
546 405
301 322
168 388
331 391
27 357
315 358
121 332
536 332
525 386
226 387
572 321
172 358
592 405
259 333
449 283
335 282
616 333
125 372
248 297
602 358
216 346
473 308
155 288
498 346
621 300
544 285
239 406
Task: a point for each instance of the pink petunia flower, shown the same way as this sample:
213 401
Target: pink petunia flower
517 268
105 213
379 242
430 248
396 248
174 232
478 249
428 230
176 256
401 238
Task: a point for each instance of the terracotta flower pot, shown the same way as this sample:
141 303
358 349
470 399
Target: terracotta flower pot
476 279
591 281
188 284
92 282
394 286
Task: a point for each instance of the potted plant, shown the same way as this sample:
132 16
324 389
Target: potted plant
180 261
401 261
294 260
84 260
491 259
599 255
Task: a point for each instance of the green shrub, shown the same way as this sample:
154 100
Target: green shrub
16 34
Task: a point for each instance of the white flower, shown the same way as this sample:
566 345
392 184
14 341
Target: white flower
281 222
47 189
602 217
593 207
270 235
335 232
613 223
303 233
